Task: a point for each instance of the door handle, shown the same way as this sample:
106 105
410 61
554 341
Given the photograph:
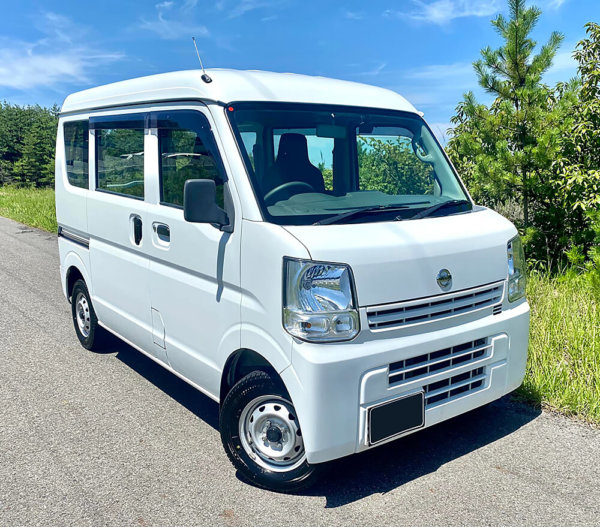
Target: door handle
163 233
136 223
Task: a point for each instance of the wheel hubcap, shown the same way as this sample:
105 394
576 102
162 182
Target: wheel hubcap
82 312
270 433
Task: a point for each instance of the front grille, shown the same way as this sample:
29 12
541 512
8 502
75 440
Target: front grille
425 310
439 361
454 387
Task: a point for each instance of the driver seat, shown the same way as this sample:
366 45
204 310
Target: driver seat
293 164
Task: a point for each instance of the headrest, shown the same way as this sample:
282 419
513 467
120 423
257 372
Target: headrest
292 147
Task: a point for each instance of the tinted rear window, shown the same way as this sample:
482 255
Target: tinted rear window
76 152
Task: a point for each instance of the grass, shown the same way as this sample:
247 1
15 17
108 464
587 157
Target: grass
563 369
31 206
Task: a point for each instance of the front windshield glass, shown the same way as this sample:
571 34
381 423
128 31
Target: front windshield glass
314 163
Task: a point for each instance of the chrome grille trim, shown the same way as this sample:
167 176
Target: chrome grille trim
435 308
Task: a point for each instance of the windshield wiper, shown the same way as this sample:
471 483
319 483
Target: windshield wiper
363 210
430 210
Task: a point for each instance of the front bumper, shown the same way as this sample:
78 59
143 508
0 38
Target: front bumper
333 386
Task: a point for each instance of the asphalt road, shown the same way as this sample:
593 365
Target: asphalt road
112 439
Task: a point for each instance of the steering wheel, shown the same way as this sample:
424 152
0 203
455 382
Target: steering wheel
269 196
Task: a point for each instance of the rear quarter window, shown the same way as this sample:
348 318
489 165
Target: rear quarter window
76 152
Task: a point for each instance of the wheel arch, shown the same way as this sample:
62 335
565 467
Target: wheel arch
239 364
74 270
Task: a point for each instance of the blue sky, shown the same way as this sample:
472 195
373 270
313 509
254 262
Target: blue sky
421 48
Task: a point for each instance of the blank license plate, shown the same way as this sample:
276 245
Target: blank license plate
396 417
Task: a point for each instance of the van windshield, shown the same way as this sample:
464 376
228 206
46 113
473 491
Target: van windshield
317 164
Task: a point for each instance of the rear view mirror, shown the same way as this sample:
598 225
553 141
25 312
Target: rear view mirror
200 203
332 131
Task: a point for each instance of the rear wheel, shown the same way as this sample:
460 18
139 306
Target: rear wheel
89 333
262 437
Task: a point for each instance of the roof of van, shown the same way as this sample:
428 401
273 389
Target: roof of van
229 86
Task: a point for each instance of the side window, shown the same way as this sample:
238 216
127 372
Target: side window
187 151
120 155
249 139
76 152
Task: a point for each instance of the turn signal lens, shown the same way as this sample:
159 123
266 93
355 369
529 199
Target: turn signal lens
517 266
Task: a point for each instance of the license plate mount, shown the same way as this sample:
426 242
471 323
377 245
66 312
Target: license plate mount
396 417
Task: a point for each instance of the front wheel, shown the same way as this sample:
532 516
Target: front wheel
262 437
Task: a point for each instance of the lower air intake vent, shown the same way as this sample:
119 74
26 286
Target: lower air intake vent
438 361
454 387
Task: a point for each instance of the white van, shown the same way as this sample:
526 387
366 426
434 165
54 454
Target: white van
299 249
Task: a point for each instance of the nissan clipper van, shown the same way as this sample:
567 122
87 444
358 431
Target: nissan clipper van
299 249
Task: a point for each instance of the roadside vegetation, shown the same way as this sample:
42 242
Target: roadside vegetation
532 154
563 370
30 206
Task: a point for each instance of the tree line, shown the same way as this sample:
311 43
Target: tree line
27 139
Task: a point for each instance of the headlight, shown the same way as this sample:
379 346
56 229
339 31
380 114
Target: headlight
318 301
516 269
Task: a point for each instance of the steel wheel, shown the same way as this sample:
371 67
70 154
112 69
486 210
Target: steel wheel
270 434
89 333
82 310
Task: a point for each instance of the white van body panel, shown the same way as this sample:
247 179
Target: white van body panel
194 300
263 247
72 256
119 270
230 86
384 255
73 207
321 383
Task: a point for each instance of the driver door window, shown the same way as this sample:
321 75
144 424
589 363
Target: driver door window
187 151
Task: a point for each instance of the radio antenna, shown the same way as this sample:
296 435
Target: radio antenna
205 76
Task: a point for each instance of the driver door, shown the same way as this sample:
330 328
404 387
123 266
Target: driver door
194 271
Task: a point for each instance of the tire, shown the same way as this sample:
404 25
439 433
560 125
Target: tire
259 407
88 331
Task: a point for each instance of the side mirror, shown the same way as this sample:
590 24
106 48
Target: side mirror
200 203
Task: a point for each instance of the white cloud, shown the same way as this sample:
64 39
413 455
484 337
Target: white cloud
563 61
177 24
353 15
170 29
60 57
460 73
442 12
245 6
374 71
26 68
435 88
564 67
555 4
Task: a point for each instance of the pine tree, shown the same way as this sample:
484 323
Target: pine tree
501 156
